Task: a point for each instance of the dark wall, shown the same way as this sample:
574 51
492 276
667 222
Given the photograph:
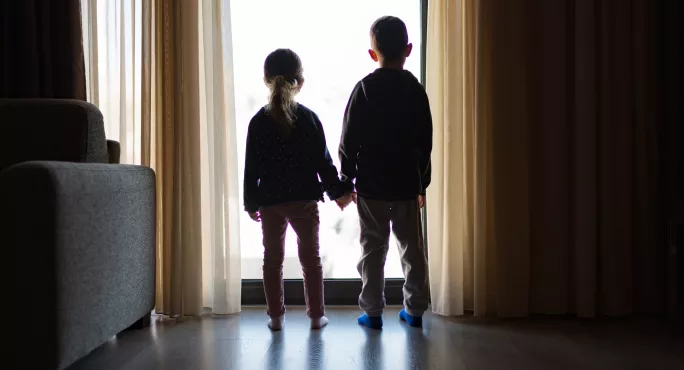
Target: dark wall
671 136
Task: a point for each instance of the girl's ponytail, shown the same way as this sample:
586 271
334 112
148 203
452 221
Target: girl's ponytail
283 75
281 103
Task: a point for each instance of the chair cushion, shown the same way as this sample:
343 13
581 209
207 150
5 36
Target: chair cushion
51 130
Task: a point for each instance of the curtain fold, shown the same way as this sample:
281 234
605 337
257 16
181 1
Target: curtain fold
457 233
544 158
161 72
199 256
41 54
177 161
221 278
112 38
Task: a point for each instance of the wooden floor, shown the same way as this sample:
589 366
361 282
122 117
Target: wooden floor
244 342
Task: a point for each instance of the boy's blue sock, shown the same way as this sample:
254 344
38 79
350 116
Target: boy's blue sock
371 322
415 321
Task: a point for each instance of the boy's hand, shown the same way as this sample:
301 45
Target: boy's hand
421 201
255 216
344 201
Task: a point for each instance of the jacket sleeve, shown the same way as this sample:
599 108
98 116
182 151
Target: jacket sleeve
424 140
350 142
326 169
251 176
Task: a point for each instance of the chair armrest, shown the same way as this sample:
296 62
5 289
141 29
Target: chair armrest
80 244
114 151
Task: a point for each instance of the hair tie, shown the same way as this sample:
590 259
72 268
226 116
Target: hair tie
290 80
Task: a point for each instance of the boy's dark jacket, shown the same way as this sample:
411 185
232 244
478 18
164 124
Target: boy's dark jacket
387 137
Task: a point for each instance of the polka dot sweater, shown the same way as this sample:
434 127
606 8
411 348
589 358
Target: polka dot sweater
285 165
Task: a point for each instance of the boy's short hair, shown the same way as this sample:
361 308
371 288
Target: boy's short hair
390 37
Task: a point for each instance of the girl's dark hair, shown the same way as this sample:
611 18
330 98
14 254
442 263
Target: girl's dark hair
283 75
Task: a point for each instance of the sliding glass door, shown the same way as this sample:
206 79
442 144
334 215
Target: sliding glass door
332 38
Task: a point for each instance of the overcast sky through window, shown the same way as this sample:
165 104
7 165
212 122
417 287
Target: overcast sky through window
332 39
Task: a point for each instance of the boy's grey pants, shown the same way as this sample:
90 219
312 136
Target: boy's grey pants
377 217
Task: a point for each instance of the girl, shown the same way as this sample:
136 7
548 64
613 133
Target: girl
286 154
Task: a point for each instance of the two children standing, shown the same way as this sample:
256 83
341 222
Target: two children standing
385 169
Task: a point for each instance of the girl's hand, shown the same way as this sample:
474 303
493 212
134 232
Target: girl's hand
255 216
421 201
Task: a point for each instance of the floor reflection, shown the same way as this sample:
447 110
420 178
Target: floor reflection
244 342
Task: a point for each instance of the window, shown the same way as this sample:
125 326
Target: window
332 39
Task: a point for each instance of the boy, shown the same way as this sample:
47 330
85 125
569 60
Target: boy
385 146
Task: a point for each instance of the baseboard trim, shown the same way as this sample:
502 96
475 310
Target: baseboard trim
337 292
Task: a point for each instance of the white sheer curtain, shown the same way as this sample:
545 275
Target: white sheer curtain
221 205
112 38
138 56
459 228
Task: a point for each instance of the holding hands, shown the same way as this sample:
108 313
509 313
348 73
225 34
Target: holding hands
342 202
345 200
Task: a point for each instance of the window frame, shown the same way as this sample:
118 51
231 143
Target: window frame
344 291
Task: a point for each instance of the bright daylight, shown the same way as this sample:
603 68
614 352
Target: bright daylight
538 166
332 38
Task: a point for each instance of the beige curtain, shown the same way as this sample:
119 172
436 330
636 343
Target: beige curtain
544 163
165 79
177 158
196 159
